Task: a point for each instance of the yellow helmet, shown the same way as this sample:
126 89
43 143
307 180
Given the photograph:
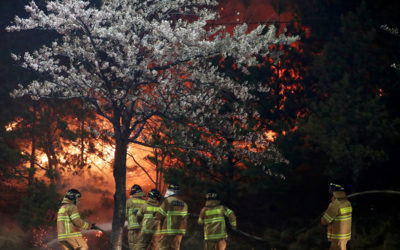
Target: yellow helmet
335 187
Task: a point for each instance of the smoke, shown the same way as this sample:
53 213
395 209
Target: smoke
96 188
254 12
11 236
97 184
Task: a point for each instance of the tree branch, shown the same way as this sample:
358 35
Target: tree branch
140 166
172 64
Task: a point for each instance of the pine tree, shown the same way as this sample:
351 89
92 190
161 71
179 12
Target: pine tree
350 122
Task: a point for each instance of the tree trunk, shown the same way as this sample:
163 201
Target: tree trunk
119 172
82 144
230 175
32 159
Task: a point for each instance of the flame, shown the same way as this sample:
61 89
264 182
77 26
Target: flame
99 234
96 182
13 125
271 135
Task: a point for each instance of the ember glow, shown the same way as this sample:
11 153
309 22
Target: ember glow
271 135
99 234
39 237
12 125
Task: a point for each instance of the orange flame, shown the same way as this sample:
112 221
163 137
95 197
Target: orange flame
99 234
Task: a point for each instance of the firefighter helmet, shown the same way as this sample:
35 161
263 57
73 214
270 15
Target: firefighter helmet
212 195
135 189
335 187
154 194
73 194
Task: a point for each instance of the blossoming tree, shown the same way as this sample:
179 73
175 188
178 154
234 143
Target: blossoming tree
136 60
394 31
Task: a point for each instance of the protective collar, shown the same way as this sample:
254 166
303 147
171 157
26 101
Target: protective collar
170 193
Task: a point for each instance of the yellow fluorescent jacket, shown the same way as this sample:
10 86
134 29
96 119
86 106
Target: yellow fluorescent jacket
338 216
69 223
212 217
146 214
173 213
132 207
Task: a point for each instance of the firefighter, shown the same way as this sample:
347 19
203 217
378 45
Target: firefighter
212 217
173 214
337 218
69 223
133 205
150 226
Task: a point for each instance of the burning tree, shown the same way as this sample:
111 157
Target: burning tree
46 135
230 151
136 61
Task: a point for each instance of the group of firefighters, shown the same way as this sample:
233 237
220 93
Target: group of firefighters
153 223
158 223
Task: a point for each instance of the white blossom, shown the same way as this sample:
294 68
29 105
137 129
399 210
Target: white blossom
137 56
393 31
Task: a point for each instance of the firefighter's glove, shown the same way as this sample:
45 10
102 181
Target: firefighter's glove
93 226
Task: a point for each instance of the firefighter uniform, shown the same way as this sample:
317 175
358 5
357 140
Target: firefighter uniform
150 229
69 225
338 220
173 214
212 217
133 205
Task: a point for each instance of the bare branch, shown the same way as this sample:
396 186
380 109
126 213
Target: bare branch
140 166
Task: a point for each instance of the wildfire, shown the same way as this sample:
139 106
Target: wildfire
232 13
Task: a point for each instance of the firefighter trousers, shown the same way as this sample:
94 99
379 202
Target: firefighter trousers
148 242
338 245
133 237
219 244
170 242
73 244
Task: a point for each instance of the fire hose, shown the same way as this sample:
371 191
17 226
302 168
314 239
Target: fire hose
249 235
194 215
351 196
317 219
238 231
299 231
373 192
95 227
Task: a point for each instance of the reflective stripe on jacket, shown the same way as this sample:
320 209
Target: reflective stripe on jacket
212 216
338 217
69 222
150 224
173 213
132 207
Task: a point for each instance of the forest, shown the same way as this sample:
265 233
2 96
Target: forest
295 95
